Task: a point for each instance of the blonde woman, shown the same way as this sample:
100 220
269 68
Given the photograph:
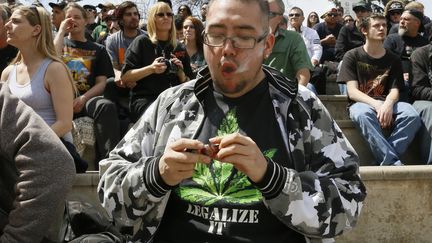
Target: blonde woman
155 62
37 76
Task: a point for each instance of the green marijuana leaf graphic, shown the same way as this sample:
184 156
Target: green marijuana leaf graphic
221 181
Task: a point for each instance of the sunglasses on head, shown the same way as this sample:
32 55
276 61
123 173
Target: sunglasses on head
165 14
294 15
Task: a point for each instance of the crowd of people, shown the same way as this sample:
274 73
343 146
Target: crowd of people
223 148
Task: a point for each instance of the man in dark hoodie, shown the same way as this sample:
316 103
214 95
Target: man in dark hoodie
36 172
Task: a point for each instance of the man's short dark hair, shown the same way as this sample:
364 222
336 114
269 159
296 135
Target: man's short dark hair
298 9
364 23
263 5
121 9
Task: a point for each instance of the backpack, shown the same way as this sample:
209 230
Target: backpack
83 222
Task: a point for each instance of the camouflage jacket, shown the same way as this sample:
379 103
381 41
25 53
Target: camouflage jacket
321 196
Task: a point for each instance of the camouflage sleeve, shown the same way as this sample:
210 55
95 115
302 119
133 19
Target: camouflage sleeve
324 198
130 189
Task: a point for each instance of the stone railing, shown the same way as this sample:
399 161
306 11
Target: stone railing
398 207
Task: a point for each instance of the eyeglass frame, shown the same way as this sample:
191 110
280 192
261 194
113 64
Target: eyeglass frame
256 40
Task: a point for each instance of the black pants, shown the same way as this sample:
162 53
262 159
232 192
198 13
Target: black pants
106 125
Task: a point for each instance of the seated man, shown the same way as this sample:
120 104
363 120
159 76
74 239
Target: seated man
278 168
374 76
421 93
36 172
289 54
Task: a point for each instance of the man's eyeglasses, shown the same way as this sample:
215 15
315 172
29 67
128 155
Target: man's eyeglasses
161 15
274 14
294 15
246 42
332 15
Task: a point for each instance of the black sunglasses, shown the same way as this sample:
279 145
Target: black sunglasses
332 15
294 15
169 15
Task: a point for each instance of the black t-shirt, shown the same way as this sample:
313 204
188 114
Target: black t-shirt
7 54
375 76
86 61
323 30
142 52
219 204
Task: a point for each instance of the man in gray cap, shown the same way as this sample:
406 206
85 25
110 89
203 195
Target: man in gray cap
406 41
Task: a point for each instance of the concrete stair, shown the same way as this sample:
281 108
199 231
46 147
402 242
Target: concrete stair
397 207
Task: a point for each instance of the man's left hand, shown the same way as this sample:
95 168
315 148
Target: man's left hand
243 153
385 115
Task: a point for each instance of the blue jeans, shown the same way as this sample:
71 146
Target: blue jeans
424 108
405 125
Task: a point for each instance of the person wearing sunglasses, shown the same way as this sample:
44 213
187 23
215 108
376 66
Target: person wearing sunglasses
312 19
240 154
155 62
102 27
393 11
328 31
312 41
289 54
184 11
348 19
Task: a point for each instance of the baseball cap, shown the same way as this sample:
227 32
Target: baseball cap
106 5
60 5
331 11
396 6
361 5
88 6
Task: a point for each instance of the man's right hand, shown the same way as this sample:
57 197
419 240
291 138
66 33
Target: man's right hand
176 164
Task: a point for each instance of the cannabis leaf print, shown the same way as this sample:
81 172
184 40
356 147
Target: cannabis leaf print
221 181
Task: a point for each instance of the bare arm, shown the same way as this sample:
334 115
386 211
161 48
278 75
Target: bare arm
356 95
62 94
65 27
303 76
94 91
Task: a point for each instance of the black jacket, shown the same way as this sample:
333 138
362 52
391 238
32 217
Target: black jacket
422 73
349 38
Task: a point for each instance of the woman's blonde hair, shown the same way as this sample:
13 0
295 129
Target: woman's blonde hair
44 42
151 23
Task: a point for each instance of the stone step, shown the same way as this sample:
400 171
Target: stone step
336 105
397 207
